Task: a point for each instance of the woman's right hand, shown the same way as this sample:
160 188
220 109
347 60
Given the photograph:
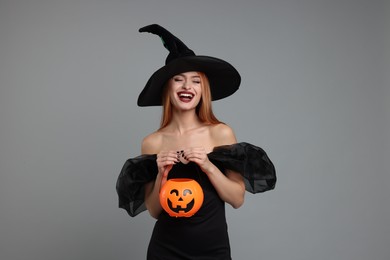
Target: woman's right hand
165 161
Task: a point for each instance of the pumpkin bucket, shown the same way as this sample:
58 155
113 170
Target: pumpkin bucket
181 197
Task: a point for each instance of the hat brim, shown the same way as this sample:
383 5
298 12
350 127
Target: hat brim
223 77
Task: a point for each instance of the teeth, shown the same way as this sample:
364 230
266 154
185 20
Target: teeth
185 95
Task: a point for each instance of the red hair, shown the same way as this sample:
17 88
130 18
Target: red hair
203 110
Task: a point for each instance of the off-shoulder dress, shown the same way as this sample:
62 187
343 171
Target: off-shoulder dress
204 235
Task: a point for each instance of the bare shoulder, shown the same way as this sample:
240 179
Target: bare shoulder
222 134
151 143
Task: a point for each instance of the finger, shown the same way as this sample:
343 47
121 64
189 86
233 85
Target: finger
167 157
182 157
166 171
197 157
195 154
165 175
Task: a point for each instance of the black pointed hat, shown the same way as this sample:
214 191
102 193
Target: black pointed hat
224 78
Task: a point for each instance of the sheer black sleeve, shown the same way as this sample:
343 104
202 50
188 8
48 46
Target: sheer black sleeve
250 161
130 186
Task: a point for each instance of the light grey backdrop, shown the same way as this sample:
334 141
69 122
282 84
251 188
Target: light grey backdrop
315 95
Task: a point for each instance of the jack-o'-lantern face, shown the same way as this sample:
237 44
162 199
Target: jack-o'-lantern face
181 197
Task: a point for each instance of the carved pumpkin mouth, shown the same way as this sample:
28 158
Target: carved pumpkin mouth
178 208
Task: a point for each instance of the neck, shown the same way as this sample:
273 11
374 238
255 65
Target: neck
184 121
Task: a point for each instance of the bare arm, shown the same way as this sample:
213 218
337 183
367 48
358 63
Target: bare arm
152 190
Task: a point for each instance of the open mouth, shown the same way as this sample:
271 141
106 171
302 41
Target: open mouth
186 96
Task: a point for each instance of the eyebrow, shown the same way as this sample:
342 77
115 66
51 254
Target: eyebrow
182 75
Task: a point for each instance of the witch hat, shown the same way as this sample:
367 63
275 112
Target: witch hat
223 77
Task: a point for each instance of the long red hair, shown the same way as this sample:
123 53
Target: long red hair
204 109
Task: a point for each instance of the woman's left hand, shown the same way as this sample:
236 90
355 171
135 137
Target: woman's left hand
199 156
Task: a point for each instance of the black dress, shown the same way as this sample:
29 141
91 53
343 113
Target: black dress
204 235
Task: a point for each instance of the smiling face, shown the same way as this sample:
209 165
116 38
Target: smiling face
203 108
185 90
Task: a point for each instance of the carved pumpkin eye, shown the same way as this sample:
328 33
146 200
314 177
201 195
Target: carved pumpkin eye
181 197
175 191
187 191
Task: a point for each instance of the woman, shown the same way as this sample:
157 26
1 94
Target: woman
191 143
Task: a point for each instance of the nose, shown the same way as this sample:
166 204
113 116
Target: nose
186 85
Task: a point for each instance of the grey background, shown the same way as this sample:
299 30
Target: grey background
315 95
